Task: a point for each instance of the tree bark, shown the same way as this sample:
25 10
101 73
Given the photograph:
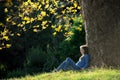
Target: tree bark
102 23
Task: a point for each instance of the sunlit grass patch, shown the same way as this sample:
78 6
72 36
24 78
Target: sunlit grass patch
90 74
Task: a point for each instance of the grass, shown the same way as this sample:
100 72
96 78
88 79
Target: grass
90 74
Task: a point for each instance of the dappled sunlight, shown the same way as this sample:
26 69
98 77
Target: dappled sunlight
94 74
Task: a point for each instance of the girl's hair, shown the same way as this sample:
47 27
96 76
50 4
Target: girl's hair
85 48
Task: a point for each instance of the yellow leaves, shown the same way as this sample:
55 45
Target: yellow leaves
6 38
75 5
13 23
54 33
39 17
73 18
34 6
52 10
43 2
58 28
25 3
53 26
19 25
74 11
8 18
55 2
62 6
5 10
32 19
66 28
43 13
39 7
26 18
44 27
47 1
23 22
44 23
20 15
5 46
18 34
11 34
64 17
29 1
8 45
4 32
70 33
0 48
27 22
37 26
69 9
46 6
34 30
63 12
78 7
1 24
79 29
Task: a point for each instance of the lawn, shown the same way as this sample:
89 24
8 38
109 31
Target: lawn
90 74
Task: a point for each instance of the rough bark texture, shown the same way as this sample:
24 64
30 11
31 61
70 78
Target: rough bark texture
102 22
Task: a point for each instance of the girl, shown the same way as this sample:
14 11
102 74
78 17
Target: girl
82 63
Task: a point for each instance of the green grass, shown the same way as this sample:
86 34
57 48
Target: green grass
91 74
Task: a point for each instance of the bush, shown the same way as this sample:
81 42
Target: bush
52 59
35 57
43 60
16 73
2 70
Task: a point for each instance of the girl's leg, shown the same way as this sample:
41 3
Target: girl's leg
68 63
71 65
62 65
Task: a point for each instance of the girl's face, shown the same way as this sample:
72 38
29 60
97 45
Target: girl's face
82 51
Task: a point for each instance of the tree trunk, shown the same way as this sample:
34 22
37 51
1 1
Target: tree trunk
102 23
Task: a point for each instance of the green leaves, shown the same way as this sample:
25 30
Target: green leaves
44 13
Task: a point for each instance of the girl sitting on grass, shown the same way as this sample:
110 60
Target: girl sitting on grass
82 63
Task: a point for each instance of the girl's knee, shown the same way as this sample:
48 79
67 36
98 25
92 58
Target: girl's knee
68 59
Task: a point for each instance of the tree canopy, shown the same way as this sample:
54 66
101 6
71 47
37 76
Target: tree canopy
37 15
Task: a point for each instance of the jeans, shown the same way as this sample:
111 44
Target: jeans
68 64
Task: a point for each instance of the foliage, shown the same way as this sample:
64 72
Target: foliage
74 38
90 74
2 70
16 73
31 32
37 15
35 57
38 58
52 59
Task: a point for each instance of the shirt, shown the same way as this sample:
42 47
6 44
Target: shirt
83 62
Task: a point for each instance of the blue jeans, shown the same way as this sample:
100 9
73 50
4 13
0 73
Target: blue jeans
68 64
